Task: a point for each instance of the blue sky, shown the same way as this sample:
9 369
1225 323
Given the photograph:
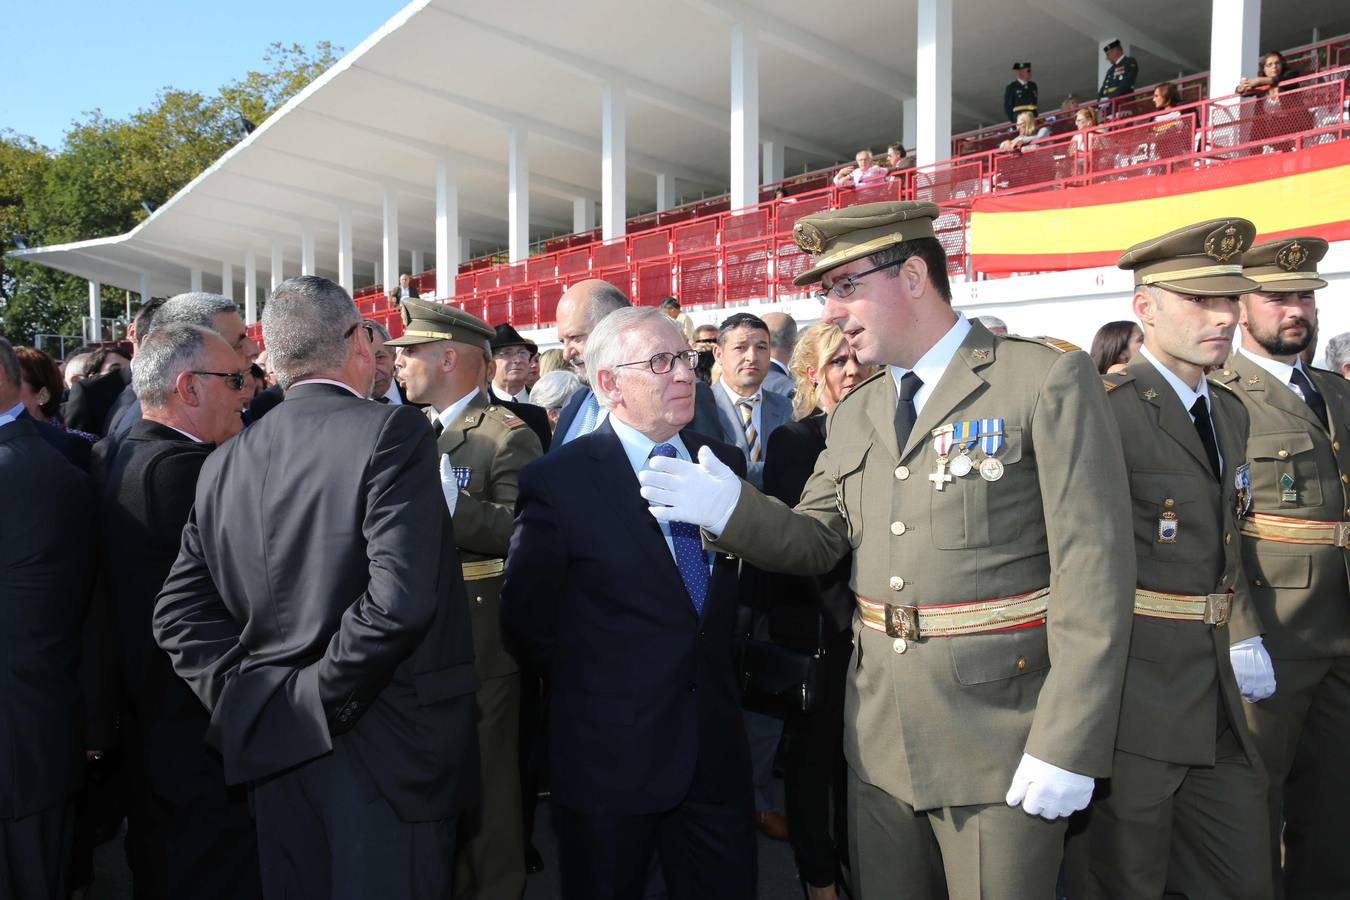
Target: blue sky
64 57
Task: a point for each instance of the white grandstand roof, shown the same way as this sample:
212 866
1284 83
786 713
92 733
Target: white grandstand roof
450 78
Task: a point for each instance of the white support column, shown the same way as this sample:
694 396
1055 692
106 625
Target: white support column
909 123
1234 42
449 251
95 332
415 257
665 191
744 117
934 125
613 164
226 280
771 167
518 195
306 250
250 287
145 288
1102 62
278 265
375 270
194 279
389 269
583 214
345 270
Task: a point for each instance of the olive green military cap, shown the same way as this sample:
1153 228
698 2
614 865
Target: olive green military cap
425 321
1289 264
1203 260
840 236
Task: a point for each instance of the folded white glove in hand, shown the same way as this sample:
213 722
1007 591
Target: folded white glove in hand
1048 791
1253 668
449 483
702 493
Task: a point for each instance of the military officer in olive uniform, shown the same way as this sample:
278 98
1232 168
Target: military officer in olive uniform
1120 77
980 484
1183 811
1020 94
1294 546
442 361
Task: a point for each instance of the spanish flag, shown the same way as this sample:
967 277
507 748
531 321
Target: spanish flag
1300 192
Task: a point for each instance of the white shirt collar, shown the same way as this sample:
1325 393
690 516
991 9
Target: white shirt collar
735 398
187 434
11 414
453 411
1184 392
391 393
345 387
638 446
1283 371
522 397
933 364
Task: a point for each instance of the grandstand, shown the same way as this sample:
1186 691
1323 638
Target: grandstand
477 153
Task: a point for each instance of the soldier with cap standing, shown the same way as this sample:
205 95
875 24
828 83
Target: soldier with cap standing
442 361
1294 546
1182 812
979 482
1120 76
1020 94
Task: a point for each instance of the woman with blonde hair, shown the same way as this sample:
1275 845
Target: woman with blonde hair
813 615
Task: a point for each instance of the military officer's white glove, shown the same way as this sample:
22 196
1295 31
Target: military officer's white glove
1253 668
1048 791
702 493
449 483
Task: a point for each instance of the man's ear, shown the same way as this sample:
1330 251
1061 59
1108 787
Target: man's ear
607 384
186 388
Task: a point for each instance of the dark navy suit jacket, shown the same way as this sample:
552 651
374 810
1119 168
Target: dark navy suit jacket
645 710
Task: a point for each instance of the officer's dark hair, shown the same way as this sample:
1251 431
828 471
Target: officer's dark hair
927 249
669 303
740 320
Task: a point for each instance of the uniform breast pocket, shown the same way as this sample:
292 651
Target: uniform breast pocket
1166 513
985 506
1284 470
847 464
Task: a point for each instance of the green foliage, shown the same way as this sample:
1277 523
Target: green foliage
94 186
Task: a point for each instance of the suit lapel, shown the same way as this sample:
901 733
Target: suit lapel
961 379
457 432
1231 448
1261 384
731 420
1170 416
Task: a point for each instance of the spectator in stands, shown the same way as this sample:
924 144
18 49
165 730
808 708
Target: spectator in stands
705 342
1273 71
897 160
1338 354
532 378
1021 94
1084 120
782 342
511 354
552 360
1165 99
1027 133
864 172
994 324
406 288
1114 345
671 307
553 390
1120 75
705 338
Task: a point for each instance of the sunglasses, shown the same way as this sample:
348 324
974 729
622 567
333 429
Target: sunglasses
236 379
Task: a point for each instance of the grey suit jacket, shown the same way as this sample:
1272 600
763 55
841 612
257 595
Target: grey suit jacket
775 410
779 380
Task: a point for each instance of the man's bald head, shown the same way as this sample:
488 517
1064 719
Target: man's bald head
580 309
782 335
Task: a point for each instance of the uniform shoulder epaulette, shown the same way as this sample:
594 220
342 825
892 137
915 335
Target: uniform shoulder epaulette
1053 343
1113 380
1221 384
505 416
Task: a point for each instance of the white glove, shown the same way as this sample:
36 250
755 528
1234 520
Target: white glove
702 493
449 483
1048 791
1254 671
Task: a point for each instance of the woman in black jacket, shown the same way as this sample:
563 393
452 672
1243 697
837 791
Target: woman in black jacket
814 614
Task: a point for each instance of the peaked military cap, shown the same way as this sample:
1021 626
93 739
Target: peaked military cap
1289 264
1019 66
425 321
506 336
1204 259
840 236
1113 44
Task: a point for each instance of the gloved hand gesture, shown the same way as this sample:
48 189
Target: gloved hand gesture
1048 791
449 483
702 493
1253 668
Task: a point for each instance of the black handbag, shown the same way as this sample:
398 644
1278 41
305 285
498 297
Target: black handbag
777 680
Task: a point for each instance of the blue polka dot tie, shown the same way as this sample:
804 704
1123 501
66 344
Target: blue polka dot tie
689 558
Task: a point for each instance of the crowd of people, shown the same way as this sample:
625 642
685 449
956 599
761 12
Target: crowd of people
1009 619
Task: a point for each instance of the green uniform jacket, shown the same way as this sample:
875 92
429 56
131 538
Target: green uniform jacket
492 445
946 722
1301 591
1178 670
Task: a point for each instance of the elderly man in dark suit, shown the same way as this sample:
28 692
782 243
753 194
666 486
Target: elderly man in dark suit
45 563
634 625
317 609
184 818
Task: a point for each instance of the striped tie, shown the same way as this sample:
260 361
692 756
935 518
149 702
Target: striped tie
747 410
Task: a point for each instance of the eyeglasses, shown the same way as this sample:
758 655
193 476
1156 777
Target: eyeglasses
662 363
844 287
236 379
512 353
370 331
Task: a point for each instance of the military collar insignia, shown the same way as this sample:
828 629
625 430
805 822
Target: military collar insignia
1223 244
1150 394
1291 258
980 353
808 237
1255 379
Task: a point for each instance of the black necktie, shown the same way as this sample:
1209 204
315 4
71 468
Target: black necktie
1310 396
1200 413
438 426
380 399
905 414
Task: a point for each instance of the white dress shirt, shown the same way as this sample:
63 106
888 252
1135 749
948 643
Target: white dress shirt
454 410
1186 394
1281 371
345 387
933 364
11 414
638 447
522 397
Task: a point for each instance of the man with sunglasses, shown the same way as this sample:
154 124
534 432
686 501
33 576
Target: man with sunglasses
633 623
980 484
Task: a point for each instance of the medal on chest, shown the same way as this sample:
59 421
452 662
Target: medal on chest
942 445
462 476
1167 528
1242 481
1287 492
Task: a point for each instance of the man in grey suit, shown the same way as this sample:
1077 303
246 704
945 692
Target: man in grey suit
747 410
782 341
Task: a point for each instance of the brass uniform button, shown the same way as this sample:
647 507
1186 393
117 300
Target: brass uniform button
1345 479
1169 503
1228 538
1336 445
1258 582
897 528
901 472
479 600
1283 454
1021 663
900 645
897 583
